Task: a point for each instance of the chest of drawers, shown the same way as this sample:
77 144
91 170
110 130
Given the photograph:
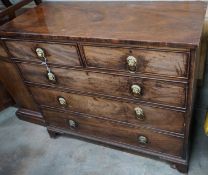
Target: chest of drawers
117 73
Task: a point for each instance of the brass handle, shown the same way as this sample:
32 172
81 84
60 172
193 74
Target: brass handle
40 53
139 113
136 89
62 101
73 124
51 77
132 63
142 139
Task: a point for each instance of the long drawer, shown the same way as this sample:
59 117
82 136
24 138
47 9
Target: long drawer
152 90
62 54
135 114
158 62
135 137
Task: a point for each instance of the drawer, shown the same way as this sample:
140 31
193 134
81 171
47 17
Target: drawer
105 130
134 114
63 54
165 63
152 90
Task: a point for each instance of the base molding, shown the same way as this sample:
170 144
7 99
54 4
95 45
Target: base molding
30 116
177 163
182 168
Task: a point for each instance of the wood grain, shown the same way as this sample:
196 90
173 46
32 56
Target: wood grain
119 111
170 63
31 116
12 81
157 91
116 133
3 53
86 44
150 23
5 98
55 53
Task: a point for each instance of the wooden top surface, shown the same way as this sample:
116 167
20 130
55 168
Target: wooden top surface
164 23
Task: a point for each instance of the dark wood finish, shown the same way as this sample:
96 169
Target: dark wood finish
13 89
3 53
117 111
13 83
116 133
180 167
5 98
37 2
11 15
114 22
171 63
11 9
163 36
155 91
142 152
55 53
20 93
7 3
52 134
31 116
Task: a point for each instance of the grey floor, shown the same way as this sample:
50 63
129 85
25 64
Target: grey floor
26 149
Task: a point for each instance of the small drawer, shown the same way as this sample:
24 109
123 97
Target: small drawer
165 63
62 54
114 132
138 89
134 114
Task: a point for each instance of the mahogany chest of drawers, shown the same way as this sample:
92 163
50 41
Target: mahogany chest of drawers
117 73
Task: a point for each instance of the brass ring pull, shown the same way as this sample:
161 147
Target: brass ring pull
40 53
73 124
132 63
136 89
51 76
139 113
142 140
62 101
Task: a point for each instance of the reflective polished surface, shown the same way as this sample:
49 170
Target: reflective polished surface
160 22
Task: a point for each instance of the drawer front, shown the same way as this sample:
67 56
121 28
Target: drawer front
2 52
135 114
156 91
63 54
171 64
106 130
